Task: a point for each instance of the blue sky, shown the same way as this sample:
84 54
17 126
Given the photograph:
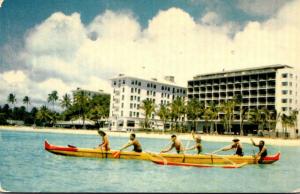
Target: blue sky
48 45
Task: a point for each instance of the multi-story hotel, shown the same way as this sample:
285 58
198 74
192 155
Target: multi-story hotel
128 94
273 87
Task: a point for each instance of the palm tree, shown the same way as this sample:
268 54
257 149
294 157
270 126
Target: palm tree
177 110
213 115
12 99
81 104
53 97
26 100
227 108
65 102
194 111
44 114
164 114
256 117
149 107
239 100
96 113
294 119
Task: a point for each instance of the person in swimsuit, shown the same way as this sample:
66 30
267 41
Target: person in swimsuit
175 144
105 141
237 146
197 145
262 150
133 142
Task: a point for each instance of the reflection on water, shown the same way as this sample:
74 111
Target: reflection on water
26 166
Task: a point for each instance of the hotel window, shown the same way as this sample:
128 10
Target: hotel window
162 88
130 105
122 105
161 102
137 114
131 90
131 97
284 92
138 106
134 97
291 100
284 83
291 92
138 99
139 83
147 93
134 105
121 113
132 82
153 93
139 91
148 85
154 86
134 114
123 81
123 90
284 100
168 96
284 108
291 75
162 94
115 83
291 83
122 97
136 82
285 75
130 113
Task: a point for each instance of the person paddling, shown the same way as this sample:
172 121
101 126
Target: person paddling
176 143
105 141
236 145
197 145
133 142
262 150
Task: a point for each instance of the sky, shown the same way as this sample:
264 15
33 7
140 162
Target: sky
48 45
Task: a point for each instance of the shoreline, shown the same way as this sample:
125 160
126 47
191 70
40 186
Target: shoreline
185 136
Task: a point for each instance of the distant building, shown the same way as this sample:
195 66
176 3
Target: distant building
274 87
130 91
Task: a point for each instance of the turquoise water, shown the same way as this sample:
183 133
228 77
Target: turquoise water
26 166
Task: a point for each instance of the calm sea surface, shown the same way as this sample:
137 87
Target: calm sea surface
26 166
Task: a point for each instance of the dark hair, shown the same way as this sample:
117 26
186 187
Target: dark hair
101 132
133 135
235 140
262 142
173 136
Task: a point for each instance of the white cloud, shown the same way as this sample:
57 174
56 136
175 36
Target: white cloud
64 54
261 7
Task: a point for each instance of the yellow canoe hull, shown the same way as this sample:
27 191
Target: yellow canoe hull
177 158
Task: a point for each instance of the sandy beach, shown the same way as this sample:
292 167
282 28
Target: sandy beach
213 138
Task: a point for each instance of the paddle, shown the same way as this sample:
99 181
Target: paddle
223 158
218 150
157 155
117 154
71 146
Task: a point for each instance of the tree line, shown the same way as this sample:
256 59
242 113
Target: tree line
81 105
225 113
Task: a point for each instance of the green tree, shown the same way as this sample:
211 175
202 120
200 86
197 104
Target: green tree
228 109
178 110
239 100
149 107
82 104
213 112
164 114
256 117
44 115
65 102
12 99
194 111
26 101
52 98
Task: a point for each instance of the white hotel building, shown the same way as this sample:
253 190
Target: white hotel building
128 94
275 87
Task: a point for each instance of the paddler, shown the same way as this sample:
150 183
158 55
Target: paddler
235 145
105 141
197 145
262 150
175 143
133 142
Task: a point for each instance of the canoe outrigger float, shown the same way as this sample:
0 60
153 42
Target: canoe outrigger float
199 160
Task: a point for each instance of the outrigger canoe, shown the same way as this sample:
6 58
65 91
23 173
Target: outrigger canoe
180 159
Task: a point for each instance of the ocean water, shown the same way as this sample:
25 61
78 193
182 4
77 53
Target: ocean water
26 166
